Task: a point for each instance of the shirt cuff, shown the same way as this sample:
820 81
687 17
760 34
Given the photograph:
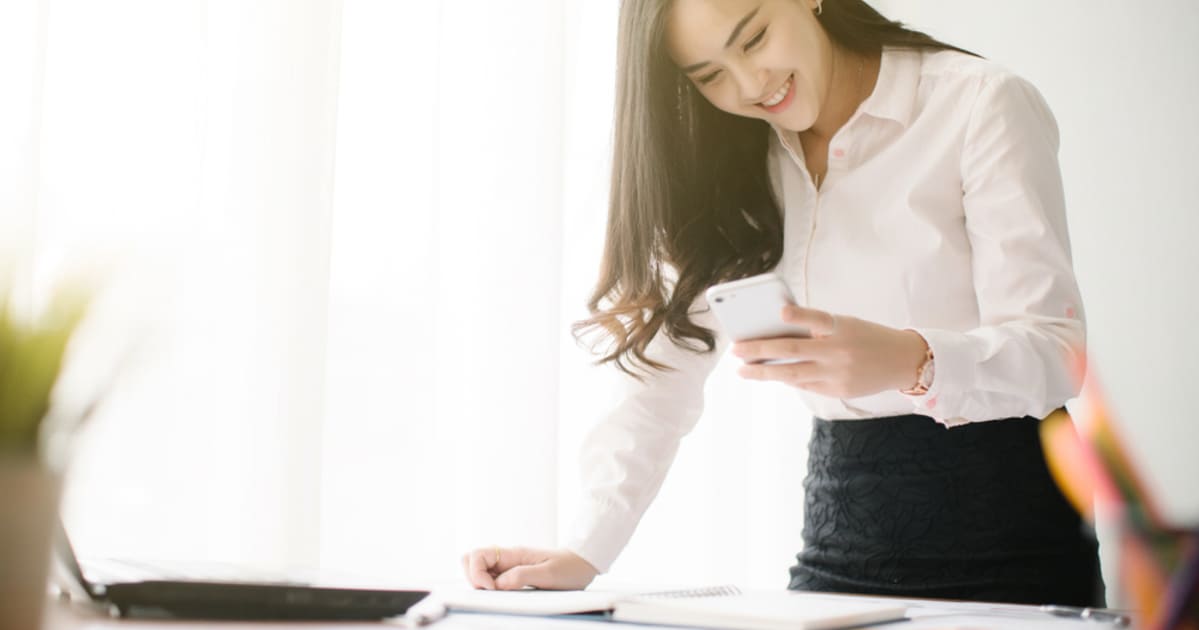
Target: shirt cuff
953 376
600 532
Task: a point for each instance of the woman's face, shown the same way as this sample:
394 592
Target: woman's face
766 59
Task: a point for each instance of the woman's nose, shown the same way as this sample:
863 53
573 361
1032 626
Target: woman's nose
751 84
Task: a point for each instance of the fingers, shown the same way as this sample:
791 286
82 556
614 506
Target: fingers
536 576
483 565
796 348
820 323
478 565
510 557
520 567
797 374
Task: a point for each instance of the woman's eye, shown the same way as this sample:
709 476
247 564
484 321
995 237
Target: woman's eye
756 40
708 78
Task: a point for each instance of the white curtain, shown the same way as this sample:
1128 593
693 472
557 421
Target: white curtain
188 146
349 237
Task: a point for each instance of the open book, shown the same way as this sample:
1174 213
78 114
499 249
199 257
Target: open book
719 607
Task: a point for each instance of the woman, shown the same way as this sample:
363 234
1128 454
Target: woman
909 193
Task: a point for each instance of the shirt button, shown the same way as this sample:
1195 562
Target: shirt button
838 153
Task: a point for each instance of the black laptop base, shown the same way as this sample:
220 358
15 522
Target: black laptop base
236 600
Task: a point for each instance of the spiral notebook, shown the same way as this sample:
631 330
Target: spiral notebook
721 607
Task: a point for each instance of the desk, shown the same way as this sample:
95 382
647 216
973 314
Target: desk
925 615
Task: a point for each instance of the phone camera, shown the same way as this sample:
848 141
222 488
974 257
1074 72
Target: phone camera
719 299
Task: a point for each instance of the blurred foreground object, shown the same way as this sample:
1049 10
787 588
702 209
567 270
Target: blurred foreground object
31 358
1158 570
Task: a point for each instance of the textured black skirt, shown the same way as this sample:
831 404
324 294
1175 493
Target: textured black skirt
903 506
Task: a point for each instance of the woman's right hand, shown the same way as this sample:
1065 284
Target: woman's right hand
512 568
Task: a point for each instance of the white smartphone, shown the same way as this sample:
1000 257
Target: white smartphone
752 308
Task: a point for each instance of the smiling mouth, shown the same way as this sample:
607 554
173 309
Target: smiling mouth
779 95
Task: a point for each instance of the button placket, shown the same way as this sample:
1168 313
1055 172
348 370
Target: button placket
799 212
811 205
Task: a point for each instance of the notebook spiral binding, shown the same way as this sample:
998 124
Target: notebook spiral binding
707 591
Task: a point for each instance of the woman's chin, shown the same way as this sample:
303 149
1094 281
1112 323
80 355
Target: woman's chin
797 121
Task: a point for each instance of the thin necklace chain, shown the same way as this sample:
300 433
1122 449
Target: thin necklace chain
861 86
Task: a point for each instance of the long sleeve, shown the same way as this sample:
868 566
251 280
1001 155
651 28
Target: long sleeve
1016 362
626 456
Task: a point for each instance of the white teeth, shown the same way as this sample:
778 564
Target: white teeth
778 96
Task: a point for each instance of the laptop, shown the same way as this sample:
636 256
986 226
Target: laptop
185 598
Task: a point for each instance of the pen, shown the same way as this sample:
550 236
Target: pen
1090 614
420 616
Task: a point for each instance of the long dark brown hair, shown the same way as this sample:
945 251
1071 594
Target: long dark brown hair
690 202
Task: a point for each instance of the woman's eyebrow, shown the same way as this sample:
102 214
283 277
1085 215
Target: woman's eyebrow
732 38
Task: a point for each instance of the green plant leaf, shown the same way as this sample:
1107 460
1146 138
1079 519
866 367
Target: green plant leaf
31 356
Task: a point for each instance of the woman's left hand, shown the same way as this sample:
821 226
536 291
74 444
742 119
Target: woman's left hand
845 358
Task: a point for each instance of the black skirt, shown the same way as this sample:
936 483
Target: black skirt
903 506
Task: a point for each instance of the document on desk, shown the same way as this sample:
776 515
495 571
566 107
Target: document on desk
718 607
530 602
760 610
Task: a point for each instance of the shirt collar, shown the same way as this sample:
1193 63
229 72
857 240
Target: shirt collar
894 95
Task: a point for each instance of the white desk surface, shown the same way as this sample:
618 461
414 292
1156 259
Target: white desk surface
924 615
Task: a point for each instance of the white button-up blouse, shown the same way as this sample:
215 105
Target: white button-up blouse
941 211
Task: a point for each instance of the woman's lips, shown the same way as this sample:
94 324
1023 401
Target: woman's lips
788 89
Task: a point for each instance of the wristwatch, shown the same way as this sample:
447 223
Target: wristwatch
924 375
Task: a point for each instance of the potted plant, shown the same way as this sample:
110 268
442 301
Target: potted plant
32 351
